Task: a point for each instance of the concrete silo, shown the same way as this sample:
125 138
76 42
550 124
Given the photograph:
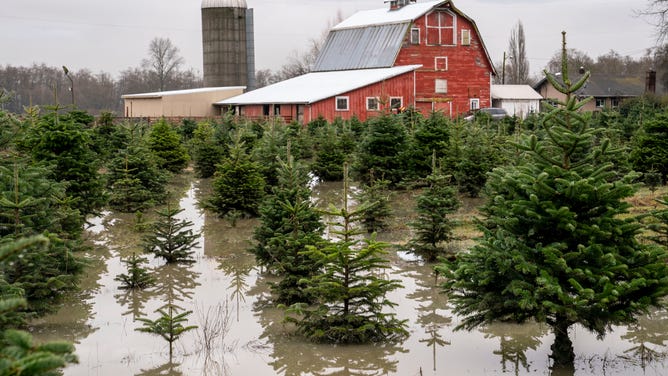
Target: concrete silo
228 43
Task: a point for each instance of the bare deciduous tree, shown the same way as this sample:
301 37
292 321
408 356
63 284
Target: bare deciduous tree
517 70
163 60
657 12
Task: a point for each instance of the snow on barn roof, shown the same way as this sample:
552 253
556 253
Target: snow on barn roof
514 92
313 87
160 94
386 16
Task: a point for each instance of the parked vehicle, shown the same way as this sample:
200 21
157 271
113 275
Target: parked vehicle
495 113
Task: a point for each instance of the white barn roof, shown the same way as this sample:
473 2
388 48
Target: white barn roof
514 92
160 94
386 16
313 87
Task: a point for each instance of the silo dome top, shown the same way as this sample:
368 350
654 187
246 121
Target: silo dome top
224 4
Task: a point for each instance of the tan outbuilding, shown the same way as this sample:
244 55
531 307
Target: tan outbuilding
179 103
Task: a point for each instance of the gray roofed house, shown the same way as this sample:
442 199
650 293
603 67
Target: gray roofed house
607 90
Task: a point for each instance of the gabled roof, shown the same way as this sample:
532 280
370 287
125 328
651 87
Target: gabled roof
383 16
373 38
313 87
514 92
160 94
601 85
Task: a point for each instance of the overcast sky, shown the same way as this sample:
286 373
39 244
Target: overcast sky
114 35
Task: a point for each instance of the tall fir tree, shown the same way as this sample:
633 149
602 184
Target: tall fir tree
382 150
288 223
352 304
376 197
432 226
207 151
557 247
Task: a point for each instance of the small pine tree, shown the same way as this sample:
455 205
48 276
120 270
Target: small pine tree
238 185
382 149
171 238
660 225
432 227
169 325
207 151
166 145
138 277
376 198
351 298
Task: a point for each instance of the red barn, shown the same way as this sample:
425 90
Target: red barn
427 55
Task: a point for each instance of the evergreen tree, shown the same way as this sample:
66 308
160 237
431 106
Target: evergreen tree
165 143
238 185
138 277
135 181
556 246
376 198
336 144
432 227
430 135
288 223
207 151
650 152
660 224
66 143
169 325
171 238
351 305
270 149
19 355
382 150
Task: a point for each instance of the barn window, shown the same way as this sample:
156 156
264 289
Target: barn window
372 104
441 26
466 37
415 35
440 86
614 102
441 63
396 102
342 103
474 104
265 110
277 110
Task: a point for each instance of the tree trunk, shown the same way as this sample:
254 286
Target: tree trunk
563 357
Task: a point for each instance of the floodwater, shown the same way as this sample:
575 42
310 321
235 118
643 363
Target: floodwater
240 333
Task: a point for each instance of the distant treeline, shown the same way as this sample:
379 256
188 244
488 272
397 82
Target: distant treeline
93 92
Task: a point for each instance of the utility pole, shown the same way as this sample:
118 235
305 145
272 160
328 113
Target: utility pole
67 74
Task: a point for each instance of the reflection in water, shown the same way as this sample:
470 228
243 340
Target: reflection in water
99 319
431 310
514 341
175 283
135 300
649 337
168 368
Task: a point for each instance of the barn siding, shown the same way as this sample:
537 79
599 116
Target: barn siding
468 69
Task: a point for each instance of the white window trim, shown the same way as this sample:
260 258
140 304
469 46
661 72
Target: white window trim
401 102
466 37
377 104
436 59
439 27
336 103
445 83
419 36
600 99
476 101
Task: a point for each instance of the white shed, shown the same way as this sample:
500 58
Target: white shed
517 100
